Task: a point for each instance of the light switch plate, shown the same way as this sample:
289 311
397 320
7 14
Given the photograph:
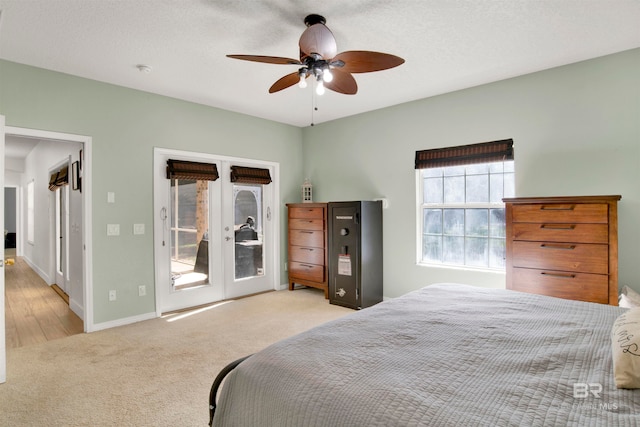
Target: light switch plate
138 228
111 197
113 229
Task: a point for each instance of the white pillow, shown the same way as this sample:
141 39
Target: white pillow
629 298
625 343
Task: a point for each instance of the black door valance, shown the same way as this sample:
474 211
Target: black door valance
182 169
246 175
485 152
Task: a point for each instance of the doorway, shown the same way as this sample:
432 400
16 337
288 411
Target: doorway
53 236
216 228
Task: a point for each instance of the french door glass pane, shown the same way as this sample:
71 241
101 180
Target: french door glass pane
189 233
248 230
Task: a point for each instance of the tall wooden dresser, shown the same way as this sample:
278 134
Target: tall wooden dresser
565 247
308 245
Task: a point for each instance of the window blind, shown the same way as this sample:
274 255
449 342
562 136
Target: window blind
59 178
244 175
182 169
485 152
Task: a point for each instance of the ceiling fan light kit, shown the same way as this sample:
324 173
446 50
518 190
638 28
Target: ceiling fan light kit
319 59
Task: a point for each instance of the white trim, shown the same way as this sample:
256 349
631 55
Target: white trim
87 217
124 321
3 345
76 307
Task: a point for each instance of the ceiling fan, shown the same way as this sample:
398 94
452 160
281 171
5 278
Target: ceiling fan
319 59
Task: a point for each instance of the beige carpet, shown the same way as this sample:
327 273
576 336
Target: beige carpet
153 373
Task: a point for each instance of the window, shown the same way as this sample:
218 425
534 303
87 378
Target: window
461 213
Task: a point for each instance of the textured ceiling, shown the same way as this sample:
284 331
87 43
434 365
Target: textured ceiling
447 44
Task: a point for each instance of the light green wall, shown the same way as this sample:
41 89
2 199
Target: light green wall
125 126
576 131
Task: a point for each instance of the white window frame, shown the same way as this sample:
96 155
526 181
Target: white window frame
421 205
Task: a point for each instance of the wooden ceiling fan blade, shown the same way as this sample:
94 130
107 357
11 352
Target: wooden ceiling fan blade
318 39
363 61
285 82
342 83
266 59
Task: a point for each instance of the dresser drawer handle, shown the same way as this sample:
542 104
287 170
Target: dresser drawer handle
563 247
307 265
564 276
557 208
558 226
306 232
307 249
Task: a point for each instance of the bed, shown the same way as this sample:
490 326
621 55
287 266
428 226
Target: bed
445 355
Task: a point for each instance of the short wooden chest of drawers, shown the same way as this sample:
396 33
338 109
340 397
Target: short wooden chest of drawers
307 227
565 247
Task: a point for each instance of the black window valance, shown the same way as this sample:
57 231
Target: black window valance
485 152
246 175
59 178
182 169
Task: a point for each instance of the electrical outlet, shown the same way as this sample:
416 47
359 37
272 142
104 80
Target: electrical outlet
142 290
112 295
286 266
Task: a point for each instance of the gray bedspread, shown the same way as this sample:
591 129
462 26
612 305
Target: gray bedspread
445 355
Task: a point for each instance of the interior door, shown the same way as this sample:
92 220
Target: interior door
248 229
3 349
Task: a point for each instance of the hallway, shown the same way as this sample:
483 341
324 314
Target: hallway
34 311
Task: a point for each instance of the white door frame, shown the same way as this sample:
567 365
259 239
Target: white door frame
3 344
87 223
158 191
56 230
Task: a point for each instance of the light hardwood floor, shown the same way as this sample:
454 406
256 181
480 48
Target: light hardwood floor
34 311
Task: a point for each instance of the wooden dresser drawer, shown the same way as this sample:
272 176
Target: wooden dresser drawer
306 213
557 232
306 271
314 238
306 224
562 213
580 257
575 286
306 254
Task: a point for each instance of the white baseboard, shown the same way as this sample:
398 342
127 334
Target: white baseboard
76 308
38 271
122 322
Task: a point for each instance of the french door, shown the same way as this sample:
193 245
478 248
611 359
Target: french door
214 229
